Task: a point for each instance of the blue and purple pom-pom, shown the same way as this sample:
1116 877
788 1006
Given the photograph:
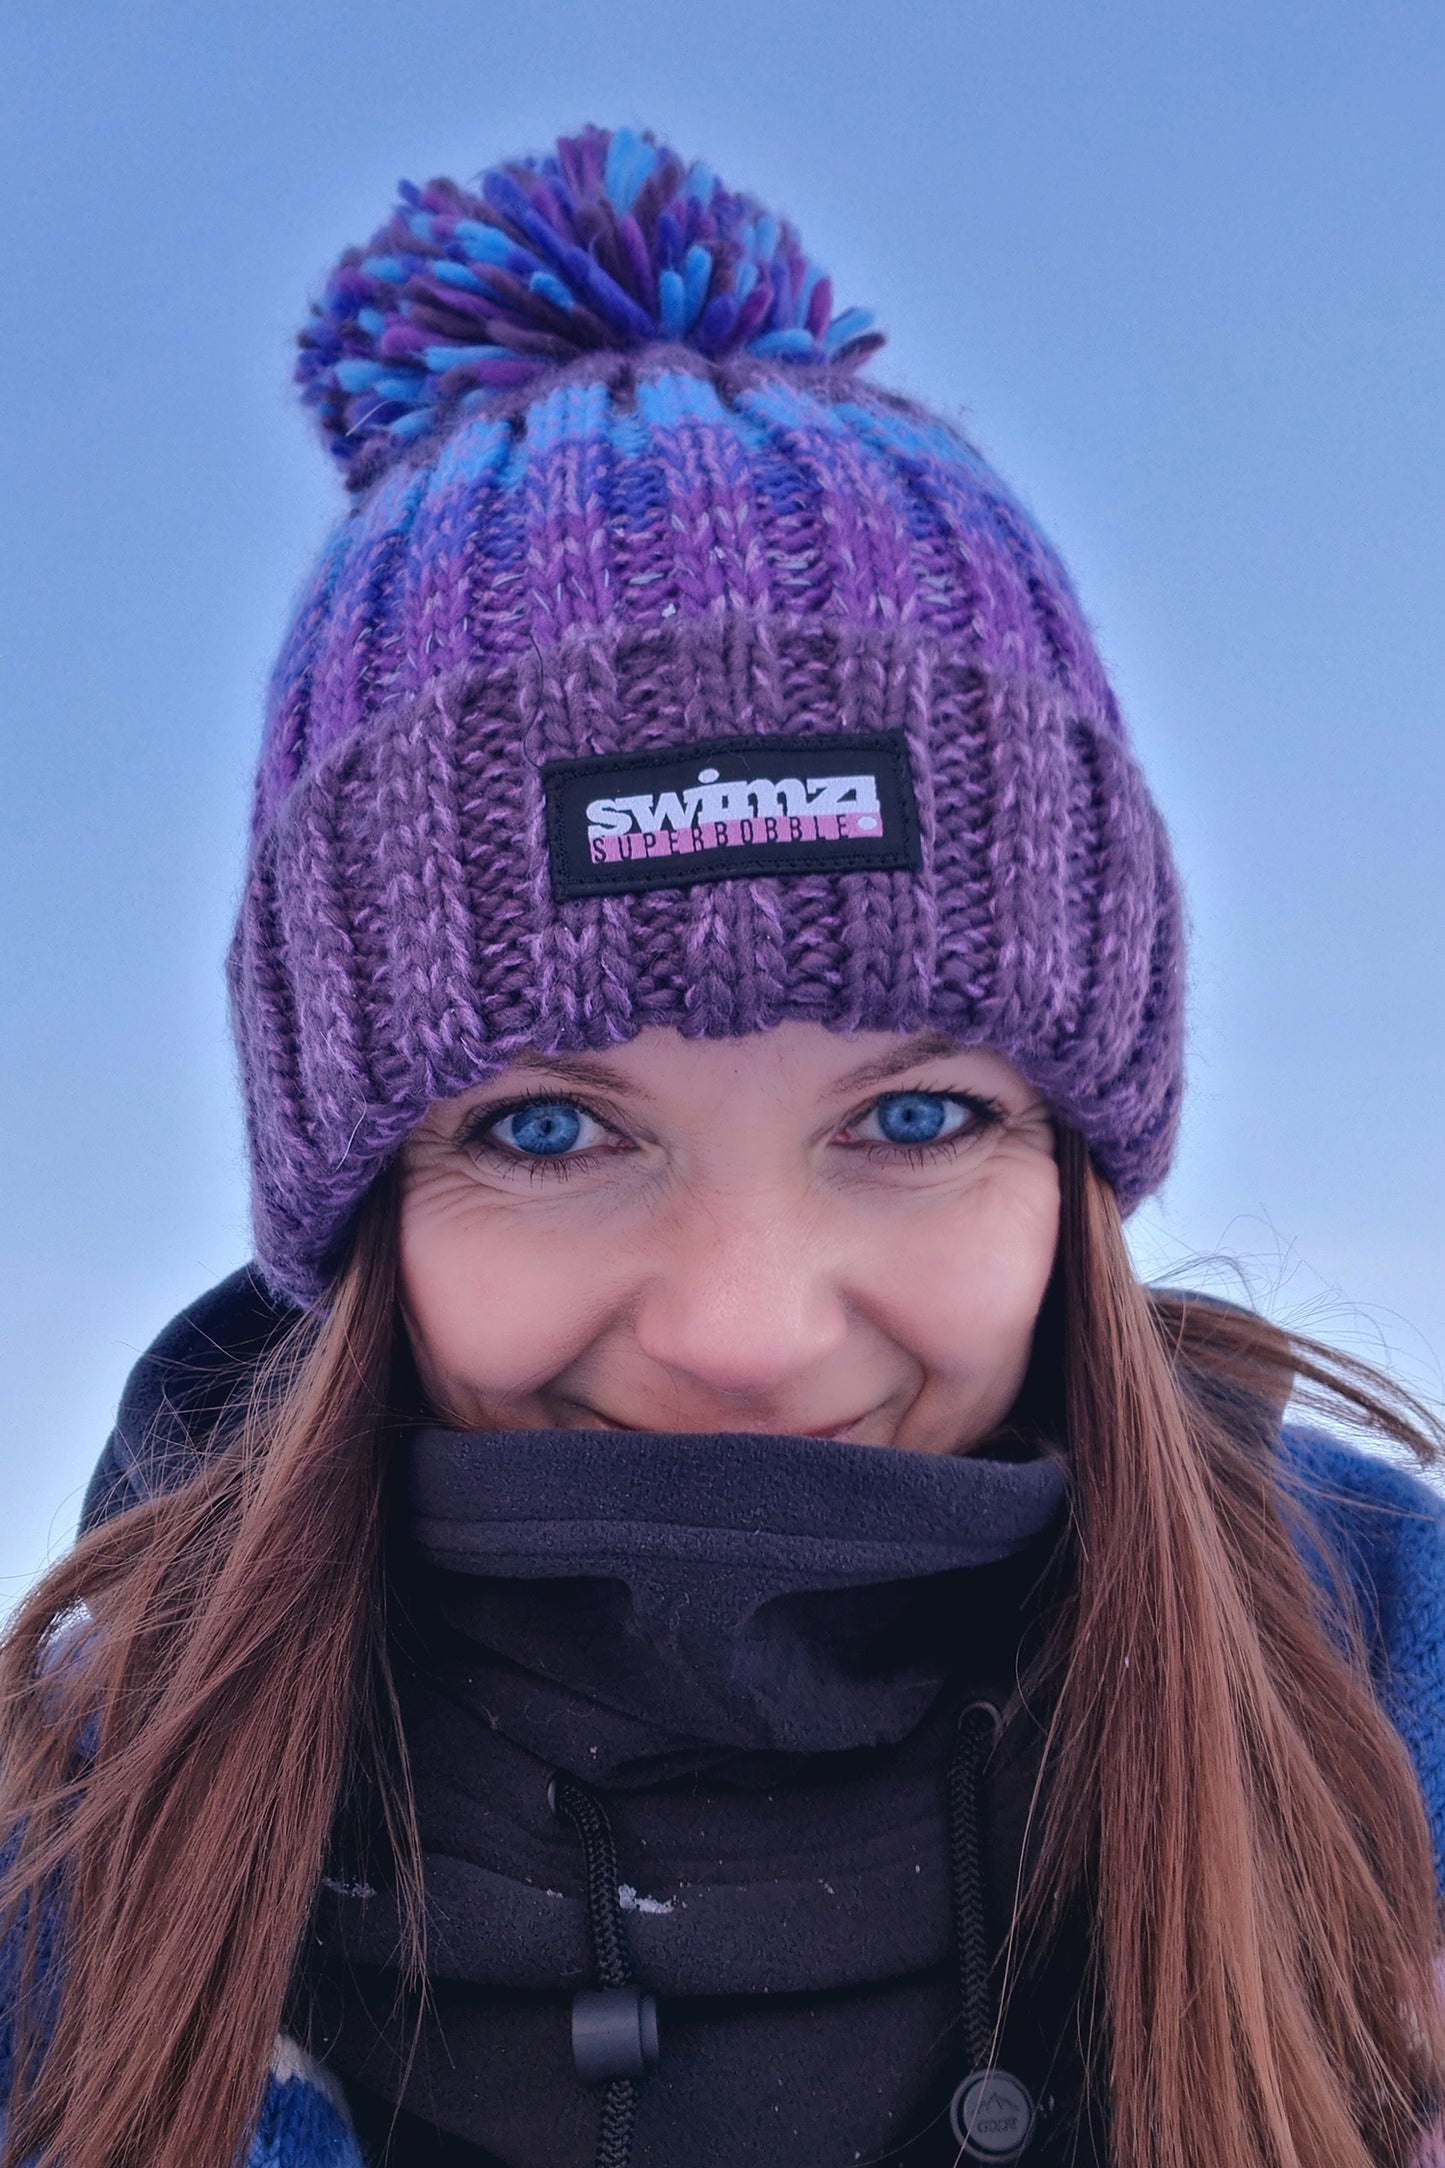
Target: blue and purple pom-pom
606 244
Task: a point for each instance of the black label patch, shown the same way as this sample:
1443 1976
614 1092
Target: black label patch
730 808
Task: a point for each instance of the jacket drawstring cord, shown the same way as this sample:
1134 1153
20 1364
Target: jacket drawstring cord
614 2025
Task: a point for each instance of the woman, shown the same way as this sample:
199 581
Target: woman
689 1608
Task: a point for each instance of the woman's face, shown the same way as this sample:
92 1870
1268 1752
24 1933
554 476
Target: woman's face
794 1232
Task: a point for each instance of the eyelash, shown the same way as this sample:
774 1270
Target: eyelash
476 1134
987 1114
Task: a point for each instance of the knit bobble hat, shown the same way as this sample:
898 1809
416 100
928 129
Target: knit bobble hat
666 671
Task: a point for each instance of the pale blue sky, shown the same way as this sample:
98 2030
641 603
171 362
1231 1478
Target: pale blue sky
1181 266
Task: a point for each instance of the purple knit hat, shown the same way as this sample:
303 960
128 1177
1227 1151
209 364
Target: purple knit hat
666 672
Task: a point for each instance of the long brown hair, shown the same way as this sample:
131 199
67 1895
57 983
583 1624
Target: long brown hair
1221 1775
187 1699
183 1700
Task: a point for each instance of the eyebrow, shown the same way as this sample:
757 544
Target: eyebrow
923 1046
586 1070
583 1069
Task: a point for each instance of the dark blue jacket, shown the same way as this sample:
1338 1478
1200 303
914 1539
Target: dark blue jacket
736 1642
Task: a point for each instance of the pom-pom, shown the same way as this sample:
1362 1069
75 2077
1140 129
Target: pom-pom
606 244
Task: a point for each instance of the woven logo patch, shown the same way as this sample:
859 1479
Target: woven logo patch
728 809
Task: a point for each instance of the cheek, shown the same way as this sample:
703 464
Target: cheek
493 1308
962 1292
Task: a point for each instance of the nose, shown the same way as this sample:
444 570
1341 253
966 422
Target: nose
744 1300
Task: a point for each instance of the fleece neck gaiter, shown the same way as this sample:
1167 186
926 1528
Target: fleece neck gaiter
751 1654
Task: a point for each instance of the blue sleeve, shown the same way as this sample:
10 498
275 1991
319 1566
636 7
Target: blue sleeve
43 1980
304 2122
1383 1526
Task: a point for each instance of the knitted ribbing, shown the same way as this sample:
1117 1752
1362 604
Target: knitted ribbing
650 549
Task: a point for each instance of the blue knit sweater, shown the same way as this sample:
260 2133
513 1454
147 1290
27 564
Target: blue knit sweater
1378 1526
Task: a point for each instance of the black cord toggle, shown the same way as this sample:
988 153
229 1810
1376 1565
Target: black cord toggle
614 2025
614 2033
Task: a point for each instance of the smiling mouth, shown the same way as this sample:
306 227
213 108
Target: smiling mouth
838 1430
596 1418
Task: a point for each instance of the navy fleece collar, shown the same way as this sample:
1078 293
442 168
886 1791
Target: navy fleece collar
731 1591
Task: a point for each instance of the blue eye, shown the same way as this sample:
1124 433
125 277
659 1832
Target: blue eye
545 1129
918 1120
916 1117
